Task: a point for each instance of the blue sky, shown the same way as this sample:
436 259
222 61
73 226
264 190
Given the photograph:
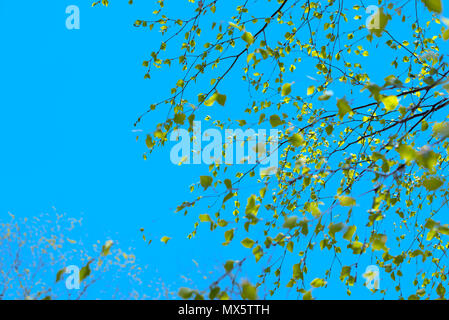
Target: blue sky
69 99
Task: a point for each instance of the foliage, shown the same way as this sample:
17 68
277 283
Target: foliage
361 175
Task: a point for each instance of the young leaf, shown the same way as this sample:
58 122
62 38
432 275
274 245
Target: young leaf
433 183
296 140
317 283
346 201
248 38
343 108
434 5
206 181
165 239
248 243
286 89
275 120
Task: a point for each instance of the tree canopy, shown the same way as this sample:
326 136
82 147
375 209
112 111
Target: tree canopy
359 95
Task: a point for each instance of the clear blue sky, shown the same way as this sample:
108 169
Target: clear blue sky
69 99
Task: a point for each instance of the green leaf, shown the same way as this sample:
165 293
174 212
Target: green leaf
427 158
232 24
251 207
334 228
441 291
228 196
356 247
205 218
241 122
249 57
258 253
165 239
229 265
85 271
206 181
318 283
222 223
248 38
216 97
249 292
349 233
297 271
60 274
275 120
214 293
390 102
343 108
185 293
179 118
444 230
221 99
392 80
248 243
310 90
313 209
378 22
224 296
433 183
406 152
296 140
290 222
286 89
446 34
228 184
307 296
434 5
430 224
229 235
346 201
180 83
106 247
378 242
262 192
374 89
441 129
345 272
149 142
